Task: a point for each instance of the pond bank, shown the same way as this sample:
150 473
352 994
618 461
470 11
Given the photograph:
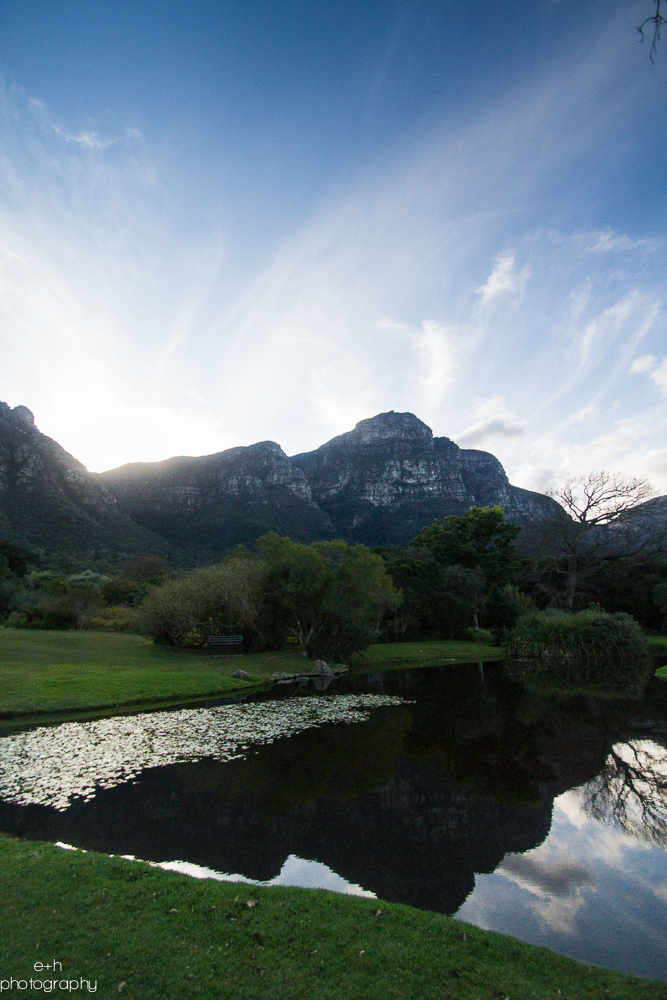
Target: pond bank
53 673
150 934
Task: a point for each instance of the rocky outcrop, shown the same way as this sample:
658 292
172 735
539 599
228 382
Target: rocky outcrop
383 481
207 505
51 504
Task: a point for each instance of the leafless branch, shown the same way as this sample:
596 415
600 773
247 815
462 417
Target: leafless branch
600 497
657 20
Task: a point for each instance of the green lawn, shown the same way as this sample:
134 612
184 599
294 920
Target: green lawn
44 671
56 672
152 935
432 652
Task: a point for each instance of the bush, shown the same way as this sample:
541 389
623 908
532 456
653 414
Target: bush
205 602
584 635
52 601
114 620
503 608
124 590
49 618
13 560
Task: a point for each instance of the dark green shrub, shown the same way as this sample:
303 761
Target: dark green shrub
52 601
13 560
211 601
124 590
583 635
45 618
503 607
118 619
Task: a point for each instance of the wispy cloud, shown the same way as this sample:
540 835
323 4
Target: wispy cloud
648 365
436 280
89 139
608 240
503 280
586 413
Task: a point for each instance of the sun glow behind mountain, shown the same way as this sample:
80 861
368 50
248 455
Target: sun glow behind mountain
331 215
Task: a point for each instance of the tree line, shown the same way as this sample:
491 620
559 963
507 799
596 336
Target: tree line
331 599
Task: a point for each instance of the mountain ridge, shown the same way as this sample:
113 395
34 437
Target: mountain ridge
378 484
49 502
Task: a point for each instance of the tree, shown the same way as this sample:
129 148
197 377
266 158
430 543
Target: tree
605 523
479 539
433 605
330 596
475 552
13 567
13 560
146 567
600 497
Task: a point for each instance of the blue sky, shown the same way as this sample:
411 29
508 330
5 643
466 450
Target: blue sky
225 222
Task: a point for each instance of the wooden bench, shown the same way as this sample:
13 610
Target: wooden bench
225 645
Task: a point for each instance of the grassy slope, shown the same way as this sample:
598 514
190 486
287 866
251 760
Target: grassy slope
293 943
44 671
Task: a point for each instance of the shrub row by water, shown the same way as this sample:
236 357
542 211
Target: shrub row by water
584 635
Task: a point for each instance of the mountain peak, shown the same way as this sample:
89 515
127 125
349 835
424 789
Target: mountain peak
389 426
24 414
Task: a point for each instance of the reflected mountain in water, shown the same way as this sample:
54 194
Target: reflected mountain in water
409 804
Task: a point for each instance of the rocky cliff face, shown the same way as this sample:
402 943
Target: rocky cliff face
381 482
49 502
378 484
207 505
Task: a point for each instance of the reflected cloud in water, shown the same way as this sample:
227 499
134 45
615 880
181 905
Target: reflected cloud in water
591 891
560 880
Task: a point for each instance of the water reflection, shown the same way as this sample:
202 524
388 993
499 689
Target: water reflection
56 765
440 795
590 891
295 871
631 791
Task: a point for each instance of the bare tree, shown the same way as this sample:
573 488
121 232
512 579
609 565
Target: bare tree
600 497
657 20
605 517
602 524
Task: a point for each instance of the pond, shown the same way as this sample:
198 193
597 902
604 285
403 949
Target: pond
508 801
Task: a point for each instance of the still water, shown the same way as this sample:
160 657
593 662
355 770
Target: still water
514 803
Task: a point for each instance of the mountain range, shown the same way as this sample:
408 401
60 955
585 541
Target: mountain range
377 484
